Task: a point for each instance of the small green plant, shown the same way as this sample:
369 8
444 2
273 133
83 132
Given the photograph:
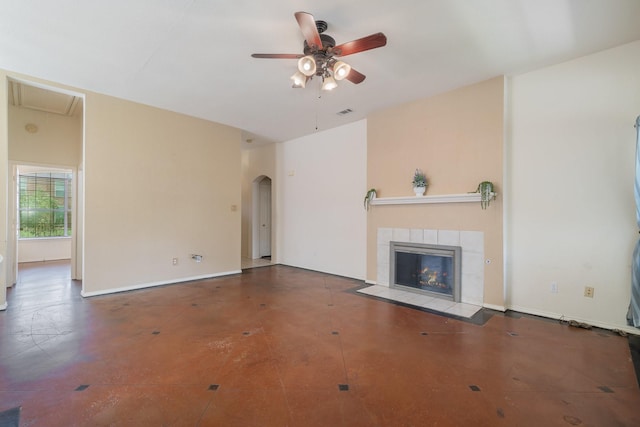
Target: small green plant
485 188
371 194
419 179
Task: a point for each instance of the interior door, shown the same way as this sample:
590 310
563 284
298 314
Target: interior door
265 217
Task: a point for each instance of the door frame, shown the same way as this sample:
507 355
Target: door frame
255 216
77 245
12 207
264 216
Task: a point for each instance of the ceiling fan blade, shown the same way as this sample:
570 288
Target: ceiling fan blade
355 76
370 42
307 24
277 55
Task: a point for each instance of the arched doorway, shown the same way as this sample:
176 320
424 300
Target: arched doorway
262 219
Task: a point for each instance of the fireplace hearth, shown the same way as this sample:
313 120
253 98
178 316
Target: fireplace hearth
434 270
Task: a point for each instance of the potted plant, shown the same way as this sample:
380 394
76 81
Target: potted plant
485 188
419 182
371 194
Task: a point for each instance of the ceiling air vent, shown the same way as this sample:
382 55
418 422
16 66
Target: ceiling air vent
345 112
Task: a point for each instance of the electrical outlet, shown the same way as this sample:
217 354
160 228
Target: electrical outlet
588 291
174 261
554 287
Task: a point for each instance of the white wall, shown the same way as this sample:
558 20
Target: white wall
321 183
570 209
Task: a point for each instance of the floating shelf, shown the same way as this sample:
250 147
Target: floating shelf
443 198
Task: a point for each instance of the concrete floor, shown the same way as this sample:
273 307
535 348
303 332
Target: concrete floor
281 346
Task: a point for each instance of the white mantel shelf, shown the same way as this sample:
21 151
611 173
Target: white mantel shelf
442 198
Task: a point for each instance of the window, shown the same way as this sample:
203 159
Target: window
45 204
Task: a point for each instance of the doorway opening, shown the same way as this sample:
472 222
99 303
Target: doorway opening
261 220
45 219
264 218
44 201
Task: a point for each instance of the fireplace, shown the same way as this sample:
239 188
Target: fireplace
433 270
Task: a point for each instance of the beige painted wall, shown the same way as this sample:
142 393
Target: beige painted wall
4 161
158 185
37 250
456 138
58 141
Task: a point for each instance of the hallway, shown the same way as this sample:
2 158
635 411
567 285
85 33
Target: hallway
280 346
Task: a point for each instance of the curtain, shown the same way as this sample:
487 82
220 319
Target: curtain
633 316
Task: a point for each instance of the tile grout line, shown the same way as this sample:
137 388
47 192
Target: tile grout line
205 410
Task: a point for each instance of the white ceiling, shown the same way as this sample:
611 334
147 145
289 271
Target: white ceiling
193 56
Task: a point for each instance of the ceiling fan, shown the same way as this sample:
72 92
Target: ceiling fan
320 53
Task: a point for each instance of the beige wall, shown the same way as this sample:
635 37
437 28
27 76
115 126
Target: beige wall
158 185
4 161
37 250
58 141
456 138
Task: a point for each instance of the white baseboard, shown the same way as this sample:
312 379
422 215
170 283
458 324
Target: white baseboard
4 306
370 282
604 325
154 284
495 307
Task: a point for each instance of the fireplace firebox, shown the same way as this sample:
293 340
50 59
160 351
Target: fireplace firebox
433 270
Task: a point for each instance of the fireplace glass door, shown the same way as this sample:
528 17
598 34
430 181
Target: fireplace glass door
429 269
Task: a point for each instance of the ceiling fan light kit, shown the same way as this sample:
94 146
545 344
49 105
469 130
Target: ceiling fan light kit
329 83
341 70
299 80
307 65
319 52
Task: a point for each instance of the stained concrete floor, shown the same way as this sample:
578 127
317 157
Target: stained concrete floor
280 346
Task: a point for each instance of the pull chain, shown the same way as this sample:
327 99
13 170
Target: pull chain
318 107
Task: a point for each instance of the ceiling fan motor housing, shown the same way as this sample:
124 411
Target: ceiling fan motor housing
327 42
322 56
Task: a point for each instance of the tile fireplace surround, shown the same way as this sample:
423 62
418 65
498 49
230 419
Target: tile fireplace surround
472 286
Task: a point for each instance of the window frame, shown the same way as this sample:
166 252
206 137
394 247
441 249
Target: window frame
54 178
